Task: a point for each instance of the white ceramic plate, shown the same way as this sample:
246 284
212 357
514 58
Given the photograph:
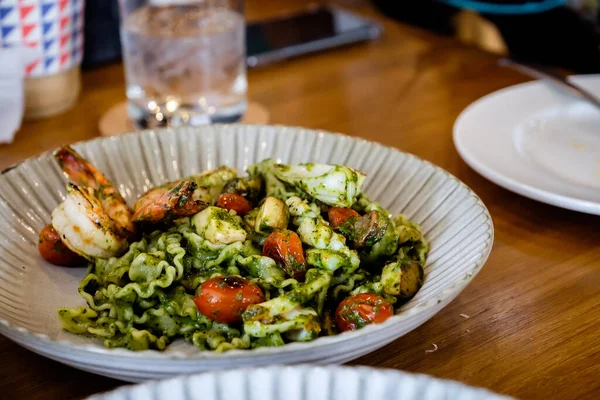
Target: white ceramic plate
536 141
452 217
302 382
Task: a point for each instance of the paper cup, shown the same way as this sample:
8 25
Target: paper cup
54 28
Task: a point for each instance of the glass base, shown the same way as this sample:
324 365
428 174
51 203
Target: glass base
142 118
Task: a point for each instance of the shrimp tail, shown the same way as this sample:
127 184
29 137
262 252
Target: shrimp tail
79 171
82 173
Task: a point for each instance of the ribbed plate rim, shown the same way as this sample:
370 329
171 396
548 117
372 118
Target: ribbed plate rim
303 370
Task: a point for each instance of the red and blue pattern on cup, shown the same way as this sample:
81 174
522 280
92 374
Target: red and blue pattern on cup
53 27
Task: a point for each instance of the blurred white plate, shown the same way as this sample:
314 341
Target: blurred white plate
536 141
302 383
453 219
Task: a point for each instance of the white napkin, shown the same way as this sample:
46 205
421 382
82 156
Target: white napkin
12 74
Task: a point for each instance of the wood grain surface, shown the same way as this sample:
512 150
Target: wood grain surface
534 310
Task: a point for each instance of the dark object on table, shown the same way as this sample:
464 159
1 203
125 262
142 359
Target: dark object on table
534 31
558 37
305 32
102 42
429 14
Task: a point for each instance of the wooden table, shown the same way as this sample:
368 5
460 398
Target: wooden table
534 310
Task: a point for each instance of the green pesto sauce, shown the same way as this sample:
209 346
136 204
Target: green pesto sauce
144 299
225 216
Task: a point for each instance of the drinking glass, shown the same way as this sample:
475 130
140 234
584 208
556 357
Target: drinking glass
184 61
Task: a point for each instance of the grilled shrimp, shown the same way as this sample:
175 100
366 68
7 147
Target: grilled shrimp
84 227
84 174
163 204
183 197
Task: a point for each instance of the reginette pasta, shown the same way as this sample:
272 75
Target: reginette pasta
287 253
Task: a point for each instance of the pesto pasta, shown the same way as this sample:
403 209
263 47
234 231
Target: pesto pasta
287 253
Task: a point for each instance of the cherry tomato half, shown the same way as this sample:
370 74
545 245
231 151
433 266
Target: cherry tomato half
225 298
337 215
53 250
285 248
362 309
235 202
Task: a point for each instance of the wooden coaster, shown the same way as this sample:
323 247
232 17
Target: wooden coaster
116 120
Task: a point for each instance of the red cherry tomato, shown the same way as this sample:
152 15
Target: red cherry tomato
362 309
235 202
225 298
53 250
337 215
285 248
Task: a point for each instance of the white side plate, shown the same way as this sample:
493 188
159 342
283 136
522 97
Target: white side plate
536 141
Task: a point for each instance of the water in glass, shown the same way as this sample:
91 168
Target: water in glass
184 64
